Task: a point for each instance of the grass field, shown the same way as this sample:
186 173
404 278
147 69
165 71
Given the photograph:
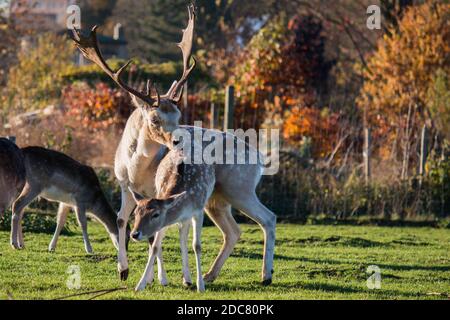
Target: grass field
311 262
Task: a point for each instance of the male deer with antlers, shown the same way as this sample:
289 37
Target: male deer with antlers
144 143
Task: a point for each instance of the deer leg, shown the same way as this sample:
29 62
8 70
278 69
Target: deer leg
197 245
147 276
63 211
184 235
162 275
82 221
20 240
26 197
220 214
126 209
254 209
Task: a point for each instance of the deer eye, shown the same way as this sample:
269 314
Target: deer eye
155 121
156 215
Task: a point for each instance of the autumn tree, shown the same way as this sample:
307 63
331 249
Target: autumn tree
9 45
283 70
37 79
304 62
11 31
259 64
286 57
396 93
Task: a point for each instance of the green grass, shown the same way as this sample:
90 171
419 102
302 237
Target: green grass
311 262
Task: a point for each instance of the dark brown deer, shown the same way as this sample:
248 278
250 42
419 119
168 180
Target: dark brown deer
144 142
12 174
57 177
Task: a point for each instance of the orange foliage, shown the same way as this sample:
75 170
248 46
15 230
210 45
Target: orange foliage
97 108
320 125
402 70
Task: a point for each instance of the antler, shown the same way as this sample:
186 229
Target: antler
176 90
90 49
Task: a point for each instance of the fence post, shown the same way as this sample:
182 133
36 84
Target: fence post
229 108
11 138
213 116
366 155
423 152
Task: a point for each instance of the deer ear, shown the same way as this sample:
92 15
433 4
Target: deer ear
174 200
136 102
137 196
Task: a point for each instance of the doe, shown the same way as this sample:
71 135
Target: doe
182 191
57 177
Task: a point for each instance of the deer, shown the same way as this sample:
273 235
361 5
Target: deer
12 173
182 190
145 140
54 176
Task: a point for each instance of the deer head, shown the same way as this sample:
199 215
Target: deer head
151 215
160 112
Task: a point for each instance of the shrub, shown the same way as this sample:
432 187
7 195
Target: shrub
36 81
160 74
301 189
38 221
97 108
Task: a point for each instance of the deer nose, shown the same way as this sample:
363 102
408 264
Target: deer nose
136 235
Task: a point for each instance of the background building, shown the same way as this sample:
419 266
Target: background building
51 15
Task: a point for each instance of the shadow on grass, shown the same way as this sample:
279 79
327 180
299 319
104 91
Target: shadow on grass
398 267
333 288
317 286
441 268
240 253
334 240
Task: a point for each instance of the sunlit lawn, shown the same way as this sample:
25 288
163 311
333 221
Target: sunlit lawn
311 262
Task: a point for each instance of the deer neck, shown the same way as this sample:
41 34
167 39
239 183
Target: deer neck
103 211
171 218
179 213
147 144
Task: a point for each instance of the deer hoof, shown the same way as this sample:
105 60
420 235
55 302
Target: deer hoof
140 287
16 246
123 275
163 282
209 278
201 288
187 284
